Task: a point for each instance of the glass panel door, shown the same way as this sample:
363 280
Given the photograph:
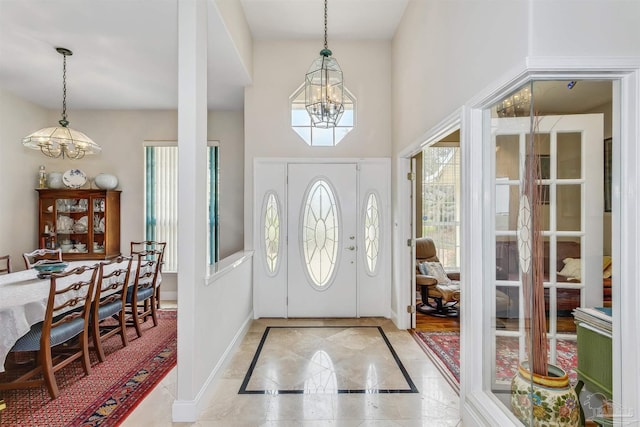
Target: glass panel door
568 210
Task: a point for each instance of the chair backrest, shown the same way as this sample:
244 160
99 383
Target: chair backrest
70 297
149 245
148 263
5 264
113 281
30 258
426 250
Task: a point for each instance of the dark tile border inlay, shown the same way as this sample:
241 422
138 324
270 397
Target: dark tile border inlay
412 387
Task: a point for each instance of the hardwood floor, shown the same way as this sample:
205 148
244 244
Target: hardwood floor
428 323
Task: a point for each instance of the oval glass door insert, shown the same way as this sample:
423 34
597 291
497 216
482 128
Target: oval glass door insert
372 232
320 233
271 233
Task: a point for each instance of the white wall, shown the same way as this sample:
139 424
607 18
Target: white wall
236 23
19 176
227 127
449 52
121 134
585 28
279 69
444 52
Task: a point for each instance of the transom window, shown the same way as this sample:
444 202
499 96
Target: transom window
319 137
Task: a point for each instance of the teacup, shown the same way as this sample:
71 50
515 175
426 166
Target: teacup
81 246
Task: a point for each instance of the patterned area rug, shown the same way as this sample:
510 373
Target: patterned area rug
444 349
112 390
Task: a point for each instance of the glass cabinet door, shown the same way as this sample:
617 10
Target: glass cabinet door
98 224
72 224
82 223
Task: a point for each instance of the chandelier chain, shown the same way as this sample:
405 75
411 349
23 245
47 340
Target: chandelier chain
325 25
64 87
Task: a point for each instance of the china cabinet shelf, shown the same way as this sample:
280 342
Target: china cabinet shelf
85 224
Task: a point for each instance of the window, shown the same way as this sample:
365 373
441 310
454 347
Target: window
372 232
441 201
161 201
319 137
271 231
320 233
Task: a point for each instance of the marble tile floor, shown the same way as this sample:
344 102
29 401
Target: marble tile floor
302 376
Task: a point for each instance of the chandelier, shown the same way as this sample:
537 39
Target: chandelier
324 87
62 141
517 104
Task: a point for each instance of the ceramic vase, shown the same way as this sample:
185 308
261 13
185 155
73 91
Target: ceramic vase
54 180
105 181
544 400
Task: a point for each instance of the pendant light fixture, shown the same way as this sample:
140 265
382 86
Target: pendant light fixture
324 87
62 141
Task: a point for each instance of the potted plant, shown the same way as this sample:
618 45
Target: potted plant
540 392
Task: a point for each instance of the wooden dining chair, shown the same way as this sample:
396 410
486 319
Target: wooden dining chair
30 258
110 303
141 297
5 264
66 317
151 245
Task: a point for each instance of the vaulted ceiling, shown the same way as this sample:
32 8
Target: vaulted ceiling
125 52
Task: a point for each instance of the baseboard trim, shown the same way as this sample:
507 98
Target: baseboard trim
189 410
169 296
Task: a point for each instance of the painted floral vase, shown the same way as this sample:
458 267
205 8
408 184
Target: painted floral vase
544 400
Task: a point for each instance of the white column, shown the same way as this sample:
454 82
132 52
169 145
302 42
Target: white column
192 167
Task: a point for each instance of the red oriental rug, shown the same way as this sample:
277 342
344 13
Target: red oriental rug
112 390
443 348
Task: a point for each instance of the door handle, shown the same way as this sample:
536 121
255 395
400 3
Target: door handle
351 248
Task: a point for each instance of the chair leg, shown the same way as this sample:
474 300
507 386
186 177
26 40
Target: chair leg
154 315
84 345
97 342
46 362
136 320
123 328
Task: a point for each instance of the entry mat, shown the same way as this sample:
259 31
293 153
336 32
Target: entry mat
326 360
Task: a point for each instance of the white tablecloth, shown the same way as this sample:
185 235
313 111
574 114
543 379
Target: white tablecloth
23 302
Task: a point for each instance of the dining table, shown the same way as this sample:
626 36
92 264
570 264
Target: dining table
23 302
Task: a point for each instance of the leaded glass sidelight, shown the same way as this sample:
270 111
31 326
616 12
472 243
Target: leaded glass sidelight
372 232
271 232
320 233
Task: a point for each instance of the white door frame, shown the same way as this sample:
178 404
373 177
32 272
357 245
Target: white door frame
480 406
270 290
404 255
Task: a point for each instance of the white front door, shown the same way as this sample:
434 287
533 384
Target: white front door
322 240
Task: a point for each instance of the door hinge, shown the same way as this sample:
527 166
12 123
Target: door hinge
411 309
411 176
410 242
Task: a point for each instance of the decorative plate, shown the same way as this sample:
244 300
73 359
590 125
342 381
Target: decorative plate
74 178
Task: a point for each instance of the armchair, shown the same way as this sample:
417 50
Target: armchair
439 291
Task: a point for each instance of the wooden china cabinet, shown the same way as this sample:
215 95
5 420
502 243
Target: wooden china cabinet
85 224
